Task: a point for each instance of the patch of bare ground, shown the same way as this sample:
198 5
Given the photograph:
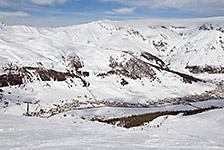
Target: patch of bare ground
136 68
139 120
15 75
206 69
19 76
162 66
132 68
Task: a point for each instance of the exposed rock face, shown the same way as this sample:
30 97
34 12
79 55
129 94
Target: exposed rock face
151 57
136 68
74 62
160 45
206 69
220 29
10 79
124 82
28 74
132 68
162 66
136 33
134 59
206 26
209 26
14 75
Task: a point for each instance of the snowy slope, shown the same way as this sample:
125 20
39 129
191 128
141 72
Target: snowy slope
107 69
125 61
202 132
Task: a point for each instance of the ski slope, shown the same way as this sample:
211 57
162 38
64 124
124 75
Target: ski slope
202 131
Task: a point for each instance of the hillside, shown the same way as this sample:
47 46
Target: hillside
109 61
76 86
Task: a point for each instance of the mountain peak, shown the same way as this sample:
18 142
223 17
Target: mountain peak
206 26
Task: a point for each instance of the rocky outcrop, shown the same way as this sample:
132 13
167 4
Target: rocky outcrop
160 45
18 76
206 69
74 62
10 79
151 57
209 26
132 68
136 34
136 68
206 26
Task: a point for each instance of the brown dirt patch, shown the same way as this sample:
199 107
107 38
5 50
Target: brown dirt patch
138 120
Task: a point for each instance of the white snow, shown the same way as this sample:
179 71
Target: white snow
202 131
94 43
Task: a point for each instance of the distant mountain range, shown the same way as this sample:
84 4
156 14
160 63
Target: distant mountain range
131 61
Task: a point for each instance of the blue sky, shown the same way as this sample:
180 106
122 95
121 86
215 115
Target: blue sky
56 13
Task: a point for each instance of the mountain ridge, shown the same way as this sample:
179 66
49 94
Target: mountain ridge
105 60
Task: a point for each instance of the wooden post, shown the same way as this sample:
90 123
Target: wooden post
28 108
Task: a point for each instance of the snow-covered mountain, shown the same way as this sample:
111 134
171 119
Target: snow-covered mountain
129 62
151 76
